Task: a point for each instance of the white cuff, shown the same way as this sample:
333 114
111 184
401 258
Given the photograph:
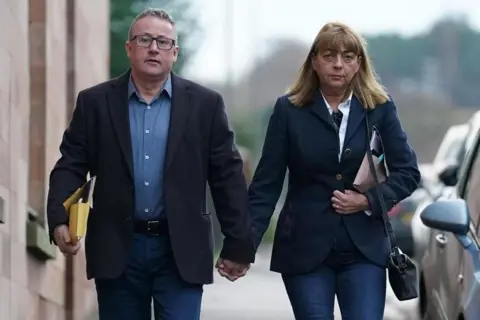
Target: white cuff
368 213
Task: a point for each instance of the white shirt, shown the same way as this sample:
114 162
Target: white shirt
344 107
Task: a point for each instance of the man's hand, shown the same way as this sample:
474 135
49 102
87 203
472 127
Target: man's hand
231 270
349 202
64 243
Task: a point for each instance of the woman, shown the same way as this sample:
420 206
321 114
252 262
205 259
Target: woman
330 239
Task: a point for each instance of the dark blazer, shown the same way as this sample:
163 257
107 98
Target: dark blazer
200 148
304 140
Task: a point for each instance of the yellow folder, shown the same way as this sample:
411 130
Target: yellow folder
78 207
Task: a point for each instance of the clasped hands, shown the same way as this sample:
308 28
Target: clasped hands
231 270
349 202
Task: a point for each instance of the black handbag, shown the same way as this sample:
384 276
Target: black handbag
402 271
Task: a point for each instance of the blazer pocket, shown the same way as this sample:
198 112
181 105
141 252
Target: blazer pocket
286 223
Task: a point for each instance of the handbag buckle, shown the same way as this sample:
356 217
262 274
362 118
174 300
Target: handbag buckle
399 260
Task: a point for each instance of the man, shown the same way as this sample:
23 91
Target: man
153 140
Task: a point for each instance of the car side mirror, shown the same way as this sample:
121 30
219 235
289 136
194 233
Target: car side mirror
447 215
449 175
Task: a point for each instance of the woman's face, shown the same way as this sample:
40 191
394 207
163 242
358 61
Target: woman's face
336 68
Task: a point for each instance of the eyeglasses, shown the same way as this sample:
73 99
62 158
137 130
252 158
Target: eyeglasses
145 41
344 57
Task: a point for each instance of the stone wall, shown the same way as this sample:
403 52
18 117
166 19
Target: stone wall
52 49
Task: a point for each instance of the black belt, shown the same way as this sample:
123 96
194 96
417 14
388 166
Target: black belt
153 228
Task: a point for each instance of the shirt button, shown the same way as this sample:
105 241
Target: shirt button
147 157
338 176
146 210
148 107
147 131
147 183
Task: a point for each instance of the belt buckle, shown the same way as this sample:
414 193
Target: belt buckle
151 225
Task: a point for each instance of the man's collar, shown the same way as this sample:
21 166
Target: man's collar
167 87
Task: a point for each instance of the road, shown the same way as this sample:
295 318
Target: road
261 296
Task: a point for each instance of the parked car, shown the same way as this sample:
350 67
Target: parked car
449 153
401 214
450 269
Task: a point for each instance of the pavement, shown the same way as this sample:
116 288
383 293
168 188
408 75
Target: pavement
260 295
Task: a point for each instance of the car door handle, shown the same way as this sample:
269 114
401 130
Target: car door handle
441 240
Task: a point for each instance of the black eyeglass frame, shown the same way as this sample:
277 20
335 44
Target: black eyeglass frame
173 42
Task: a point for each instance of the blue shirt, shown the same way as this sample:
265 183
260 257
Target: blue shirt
149 132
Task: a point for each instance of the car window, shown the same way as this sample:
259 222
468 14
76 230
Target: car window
472 185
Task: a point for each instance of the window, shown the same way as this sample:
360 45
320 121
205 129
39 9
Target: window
471 188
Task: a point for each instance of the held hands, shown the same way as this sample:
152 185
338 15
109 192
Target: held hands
231 270
349 202
63 241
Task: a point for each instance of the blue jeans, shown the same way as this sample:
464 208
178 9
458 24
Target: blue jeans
360 286
150 273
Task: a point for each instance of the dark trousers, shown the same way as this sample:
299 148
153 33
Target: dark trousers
360 286
150 273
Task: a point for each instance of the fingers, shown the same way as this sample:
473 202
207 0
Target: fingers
76 248
337 202
227 275
231 270
64 242
338 205
340 195
242 272
341 202
66 235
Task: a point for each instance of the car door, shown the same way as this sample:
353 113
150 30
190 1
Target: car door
451 255
469 190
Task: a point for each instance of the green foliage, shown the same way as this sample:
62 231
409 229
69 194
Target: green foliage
247 130
451 44
122 13
270 233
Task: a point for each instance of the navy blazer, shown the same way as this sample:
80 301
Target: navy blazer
304 140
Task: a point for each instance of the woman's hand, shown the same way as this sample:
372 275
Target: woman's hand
349 202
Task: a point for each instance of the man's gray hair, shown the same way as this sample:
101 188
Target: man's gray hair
151 12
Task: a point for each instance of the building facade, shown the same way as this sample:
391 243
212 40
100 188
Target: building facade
49 50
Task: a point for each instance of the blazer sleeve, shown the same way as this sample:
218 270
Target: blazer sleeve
269 175
229 190
401 160
70 171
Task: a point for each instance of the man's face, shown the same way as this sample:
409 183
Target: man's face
152 58
335 69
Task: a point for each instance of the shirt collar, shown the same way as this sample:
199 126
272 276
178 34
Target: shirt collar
167 87
344 104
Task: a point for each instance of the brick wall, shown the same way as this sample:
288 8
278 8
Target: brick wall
42 71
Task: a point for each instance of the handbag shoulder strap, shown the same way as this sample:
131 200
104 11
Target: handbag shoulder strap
386 220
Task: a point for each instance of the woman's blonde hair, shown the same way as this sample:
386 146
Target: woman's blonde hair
364 85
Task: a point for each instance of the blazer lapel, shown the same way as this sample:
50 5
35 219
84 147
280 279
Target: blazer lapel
118 107
320 110
355 118
181 103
